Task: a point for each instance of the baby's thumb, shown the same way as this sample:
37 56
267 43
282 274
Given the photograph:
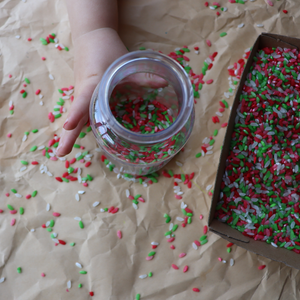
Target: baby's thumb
147 80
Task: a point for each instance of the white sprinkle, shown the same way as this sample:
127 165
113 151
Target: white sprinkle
154 243
179 164
77 219
241 25
54 234
65 97
69 284
102 210
209 187
98 150
209 152
127 193
47 223
195 246
23 169
24 138
224 261
119 175
41 96
259 25
2 279
81 192
55 241
62 158
79 178
18 36
171 226
225 9
143 276
274 245
78 265
49 174
168 236
134 206
231 262
96 203
77 197
48 207
197 52
78 154
41 147
42 167
41 103
212 7
10 103
79 171
32 230
18 195
219 114
51 76
179 219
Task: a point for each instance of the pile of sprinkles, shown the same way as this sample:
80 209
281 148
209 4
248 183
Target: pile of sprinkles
260 190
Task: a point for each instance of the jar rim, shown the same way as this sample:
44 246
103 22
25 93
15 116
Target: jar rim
185 88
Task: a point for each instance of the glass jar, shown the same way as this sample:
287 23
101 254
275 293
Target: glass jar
138 153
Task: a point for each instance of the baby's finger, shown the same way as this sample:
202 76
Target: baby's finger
68 138
80 106
146 80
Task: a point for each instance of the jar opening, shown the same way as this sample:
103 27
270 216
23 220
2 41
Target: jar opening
164 69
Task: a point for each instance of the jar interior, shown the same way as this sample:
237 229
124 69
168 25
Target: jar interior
146 80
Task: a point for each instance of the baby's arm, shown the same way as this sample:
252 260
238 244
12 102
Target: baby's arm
96 45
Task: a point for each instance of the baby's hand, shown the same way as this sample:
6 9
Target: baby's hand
94 52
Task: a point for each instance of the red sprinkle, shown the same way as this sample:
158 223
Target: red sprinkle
170 240
196 290
210 81
119 234
7 194
87 164
28 197
208 42
224 125
205 229
174 267
73 160
43 58
29 39
185 269
37 91
261 267
34 162
1 211
56 214
285 11
22 91
62 242
10 76
91 294
229 245
59 179
9 135
172 247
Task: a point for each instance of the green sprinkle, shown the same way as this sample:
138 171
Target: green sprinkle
24 162
21 209
60 91
51 223
211 142
70 170
142 48
14 191
65 179
203 237
32 149
76 146
44 42
222 34
150 274
49 229
80 285
138 297
34 130
11 112
182 177
89 129
72 244
229 250
34 193
66 48
26 132
24 95
168 219
172 174
81 225
175 227
189 220
82 272
27 80
203 242
89 177
10 207
82 135
57 116
215 132
152 253
19 270
199 154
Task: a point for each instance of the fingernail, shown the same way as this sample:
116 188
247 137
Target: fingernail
65 123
